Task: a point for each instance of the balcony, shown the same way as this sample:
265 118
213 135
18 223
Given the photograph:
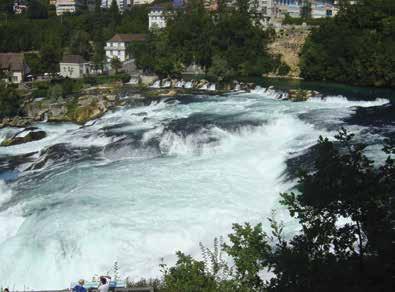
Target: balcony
115 46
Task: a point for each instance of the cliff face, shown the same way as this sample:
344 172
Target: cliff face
288 43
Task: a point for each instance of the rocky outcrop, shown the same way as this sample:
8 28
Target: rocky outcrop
25 136
89 107
18 122
148 79
93 103
288 44
297 95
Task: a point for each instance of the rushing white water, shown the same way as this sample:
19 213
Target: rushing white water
140 183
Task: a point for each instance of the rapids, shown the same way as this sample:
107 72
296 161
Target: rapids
142 182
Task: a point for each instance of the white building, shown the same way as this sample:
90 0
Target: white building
266 9
67 6
122 4
157 17
19 8
117 46
74 66
141 2
319 9
323 10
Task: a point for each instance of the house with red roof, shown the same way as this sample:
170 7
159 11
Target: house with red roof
117 46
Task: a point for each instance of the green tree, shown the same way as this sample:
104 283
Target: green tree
6 6
360 51
187 275
9 100
55 92
80 44
305 10
34 62
50 57
116 64
250 252
37 9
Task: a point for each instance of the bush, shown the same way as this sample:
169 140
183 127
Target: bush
9 101
283 69
91 80
39 93
124 77
41 84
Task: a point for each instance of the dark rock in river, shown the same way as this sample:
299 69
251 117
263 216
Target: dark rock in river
25 136
297 95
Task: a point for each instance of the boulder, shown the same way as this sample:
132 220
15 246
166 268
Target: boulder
89 112
25 136
202 84
111 97
18 122
148 79
298 95
171 92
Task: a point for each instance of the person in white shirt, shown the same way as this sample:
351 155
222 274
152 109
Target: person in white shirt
104 284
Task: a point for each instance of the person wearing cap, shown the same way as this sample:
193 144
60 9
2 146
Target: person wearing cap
80 287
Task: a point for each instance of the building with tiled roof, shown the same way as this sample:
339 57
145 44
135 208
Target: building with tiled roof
116 47
13 66
74 66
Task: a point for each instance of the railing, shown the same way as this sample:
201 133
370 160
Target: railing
114 48
136 289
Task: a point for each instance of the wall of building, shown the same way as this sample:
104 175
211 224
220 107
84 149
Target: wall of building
156 19
74 70
122 4
67 6
16 77
116 49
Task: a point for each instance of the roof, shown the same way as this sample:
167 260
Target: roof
73 59
125 37
12 61
162 6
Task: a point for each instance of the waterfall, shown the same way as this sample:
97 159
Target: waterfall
212 87
156 84
166 83
143 181
188 85
180 84
204 86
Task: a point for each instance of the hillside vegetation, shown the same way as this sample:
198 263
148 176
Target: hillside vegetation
356 47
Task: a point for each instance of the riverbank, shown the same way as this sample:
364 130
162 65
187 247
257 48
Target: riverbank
92 102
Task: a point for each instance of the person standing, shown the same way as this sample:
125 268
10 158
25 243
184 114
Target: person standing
80 287
104 284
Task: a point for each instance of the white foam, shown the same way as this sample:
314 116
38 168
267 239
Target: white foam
5 192
139 206
341 101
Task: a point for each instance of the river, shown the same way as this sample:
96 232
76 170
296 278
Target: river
142 182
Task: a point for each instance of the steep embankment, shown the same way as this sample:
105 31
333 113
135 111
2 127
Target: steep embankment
288 43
